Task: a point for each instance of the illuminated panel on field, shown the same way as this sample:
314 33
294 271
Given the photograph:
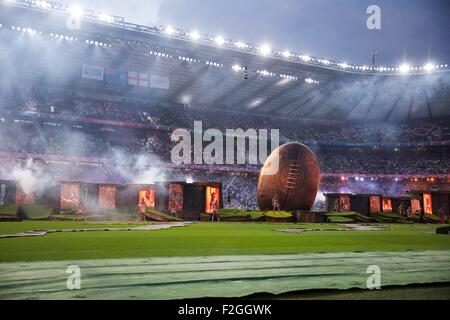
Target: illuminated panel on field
387 205
70 195
175 197
427 203
23 198
375 204
212 197
106 197
148 196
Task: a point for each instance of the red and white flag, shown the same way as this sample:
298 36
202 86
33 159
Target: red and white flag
138 79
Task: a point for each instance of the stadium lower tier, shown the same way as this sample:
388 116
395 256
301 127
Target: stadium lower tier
115 143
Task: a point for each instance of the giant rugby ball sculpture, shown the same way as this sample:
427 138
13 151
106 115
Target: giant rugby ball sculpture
292 172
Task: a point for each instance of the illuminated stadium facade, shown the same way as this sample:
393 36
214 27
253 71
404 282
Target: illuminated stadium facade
160 71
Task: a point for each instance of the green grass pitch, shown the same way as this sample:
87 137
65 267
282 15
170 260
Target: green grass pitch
223 260
203 239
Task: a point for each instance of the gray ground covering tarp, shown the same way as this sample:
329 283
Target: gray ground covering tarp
219 276
148 227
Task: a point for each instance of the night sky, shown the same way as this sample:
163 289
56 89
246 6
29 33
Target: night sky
413 31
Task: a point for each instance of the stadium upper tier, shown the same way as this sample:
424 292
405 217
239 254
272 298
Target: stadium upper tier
58 108
124 60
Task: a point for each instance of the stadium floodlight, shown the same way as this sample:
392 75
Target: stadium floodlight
428 67
43 4
404 68
186 99
76 11
286 54
255 103
265 49
305 58
344 65
237 67
219 40
194 35
106 17
240 45
169 30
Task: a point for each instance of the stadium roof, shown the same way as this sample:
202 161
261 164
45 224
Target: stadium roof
213 73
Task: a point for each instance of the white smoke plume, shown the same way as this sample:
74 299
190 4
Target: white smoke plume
140 169
31 176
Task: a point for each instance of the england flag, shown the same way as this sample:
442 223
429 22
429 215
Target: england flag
138 79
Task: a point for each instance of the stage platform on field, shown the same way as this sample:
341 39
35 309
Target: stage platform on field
219 276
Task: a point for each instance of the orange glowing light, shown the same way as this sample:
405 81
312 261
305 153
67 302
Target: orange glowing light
212 198
427 203
148 196
387 205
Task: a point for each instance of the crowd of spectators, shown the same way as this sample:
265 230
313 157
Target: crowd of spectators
357 160
102 141
83 105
